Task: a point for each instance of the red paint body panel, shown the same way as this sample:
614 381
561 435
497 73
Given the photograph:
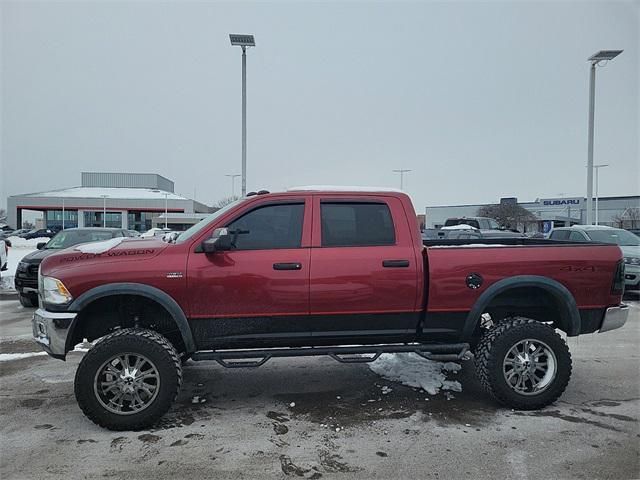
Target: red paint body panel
585 270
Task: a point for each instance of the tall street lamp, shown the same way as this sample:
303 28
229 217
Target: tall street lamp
598 167
233 183
104 210
166 210
402 171
598 59
243 41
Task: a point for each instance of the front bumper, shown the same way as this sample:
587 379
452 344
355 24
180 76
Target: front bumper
51 329
614 317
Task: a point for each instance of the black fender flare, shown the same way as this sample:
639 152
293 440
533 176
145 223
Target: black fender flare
141 290
560 292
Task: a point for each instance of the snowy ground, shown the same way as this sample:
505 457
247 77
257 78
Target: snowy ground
19 248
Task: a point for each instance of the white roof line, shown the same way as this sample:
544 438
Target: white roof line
341 188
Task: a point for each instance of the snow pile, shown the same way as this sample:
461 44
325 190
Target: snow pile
100 247
17 242
414 371
6 357
462 226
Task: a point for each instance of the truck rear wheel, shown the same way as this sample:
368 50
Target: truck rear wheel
128 380
523 364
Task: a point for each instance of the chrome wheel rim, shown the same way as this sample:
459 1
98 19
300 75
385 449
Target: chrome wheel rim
529 367
127 383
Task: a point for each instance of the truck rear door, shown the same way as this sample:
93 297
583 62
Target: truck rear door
363 279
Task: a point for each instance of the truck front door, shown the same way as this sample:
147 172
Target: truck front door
259 291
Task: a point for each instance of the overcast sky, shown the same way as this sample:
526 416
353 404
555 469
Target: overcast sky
479 100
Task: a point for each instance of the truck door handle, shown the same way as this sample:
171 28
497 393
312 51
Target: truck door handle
287 266
395 263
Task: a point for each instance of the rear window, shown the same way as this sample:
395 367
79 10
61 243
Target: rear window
559 235
461 221
346 224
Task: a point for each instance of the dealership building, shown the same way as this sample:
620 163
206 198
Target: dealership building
120 200
551 212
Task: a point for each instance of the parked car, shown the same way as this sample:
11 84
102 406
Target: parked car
451 233
20 231
4 253
156 232
319 272
39 233
481 223
26 277
629 244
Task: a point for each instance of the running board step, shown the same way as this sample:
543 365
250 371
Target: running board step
252 358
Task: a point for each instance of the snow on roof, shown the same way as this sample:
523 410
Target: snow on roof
592 227
110 192
460 226
341 188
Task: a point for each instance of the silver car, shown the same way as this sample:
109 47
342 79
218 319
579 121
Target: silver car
629 244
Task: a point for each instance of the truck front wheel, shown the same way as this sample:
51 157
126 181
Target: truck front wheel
128 380
523 364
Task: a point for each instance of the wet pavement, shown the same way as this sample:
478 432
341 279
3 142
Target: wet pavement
316 418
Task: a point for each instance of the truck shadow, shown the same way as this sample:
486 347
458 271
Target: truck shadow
325 393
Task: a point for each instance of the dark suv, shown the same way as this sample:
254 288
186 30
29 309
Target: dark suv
26 277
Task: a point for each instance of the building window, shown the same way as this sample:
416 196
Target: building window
95 219
141 221
53 218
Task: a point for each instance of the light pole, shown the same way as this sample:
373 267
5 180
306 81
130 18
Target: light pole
402 171
62 213
104 210
233 183
243 41
598 167
595 59
166 210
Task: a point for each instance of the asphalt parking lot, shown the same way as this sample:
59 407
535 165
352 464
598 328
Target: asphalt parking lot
315 418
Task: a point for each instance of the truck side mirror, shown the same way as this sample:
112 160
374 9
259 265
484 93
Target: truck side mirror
220 241
41 245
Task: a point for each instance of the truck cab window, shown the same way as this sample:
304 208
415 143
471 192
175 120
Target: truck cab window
269 227
356 224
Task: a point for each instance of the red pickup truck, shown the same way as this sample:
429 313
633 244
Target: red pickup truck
319 272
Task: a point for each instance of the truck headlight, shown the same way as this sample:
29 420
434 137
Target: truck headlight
632 260
54 291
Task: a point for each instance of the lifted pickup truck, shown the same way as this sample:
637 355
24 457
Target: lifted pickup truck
319 272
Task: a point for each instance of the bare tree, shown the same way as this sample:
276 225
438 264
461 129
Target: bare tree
223 202
508 215
630 218
3 215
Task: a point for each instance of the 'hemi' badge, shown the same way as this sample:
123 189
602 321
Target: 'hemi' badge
174 275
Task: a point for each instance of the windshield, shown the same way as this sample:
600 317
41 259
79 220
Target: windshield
195 229
614 235
68 238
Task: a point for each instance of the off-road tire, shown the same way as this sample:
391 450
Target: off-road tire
27 301
138 341
494 346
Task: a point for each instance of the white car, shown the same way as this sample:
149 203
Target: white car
4 253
